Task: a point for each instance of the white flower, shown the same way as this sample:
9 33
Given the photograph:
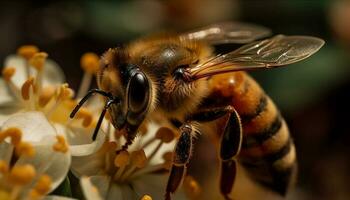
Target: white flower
132 174
34 158
31 82
16 72
36 103
32 87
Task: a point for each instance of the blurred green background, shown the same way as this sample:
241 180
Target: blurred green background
313 95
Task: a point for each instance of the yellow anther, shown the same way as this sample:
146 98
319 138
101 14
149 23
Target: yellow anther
46 94
165 134
38 60
122 159
25 149
8 72
26 88
14 133
61 144
143 129
168 156
146 197
4 167
90 62
64 92
86 115
34 195
138 158
191 187
22 174
43 185
27 51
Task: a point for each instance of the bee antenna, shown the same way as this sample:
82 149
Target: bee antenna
86 97
99 122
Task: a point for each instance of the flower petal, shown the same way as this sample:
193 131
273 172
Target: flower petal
6 151
52 72
115 192
5 94
8 103
88 165
34 126
80 140
47 161
36 129
95 187
158 157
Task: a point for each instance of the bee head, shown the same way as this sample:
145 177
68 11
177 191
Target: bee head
130 85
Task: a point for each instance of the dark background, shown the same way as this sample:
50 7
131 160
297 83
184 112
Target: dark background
313 95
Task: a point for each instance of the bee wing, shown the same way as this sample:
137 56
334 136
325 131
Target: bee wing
228 32
269 53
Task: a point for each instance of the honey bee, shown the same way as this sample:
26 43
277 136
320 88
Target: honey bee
180 78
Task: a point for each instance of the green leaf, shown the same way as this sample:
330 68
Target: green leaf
64 189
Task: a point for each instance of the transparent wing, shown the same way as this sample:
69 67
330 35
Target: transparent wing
228 32
276 51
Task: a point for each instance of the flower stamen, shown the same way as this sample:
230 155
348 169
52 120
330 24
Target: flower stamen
165 135
21 174
191 187
46 95
42 187
28 90
121 161
25 90
4 167
61 144
90 64
25 149
8 72
62 93
38 60
14 133
168 156
86 115
146 197
27 52
138 160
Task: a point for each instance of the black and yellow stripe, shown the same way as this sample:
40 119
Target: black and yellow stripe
268 151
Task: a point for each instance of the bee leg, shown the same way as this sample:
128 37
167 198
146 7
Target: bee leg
231 141
182 154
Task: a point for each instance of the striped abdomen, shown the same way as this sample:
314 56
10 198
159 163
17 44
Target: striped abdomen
268 151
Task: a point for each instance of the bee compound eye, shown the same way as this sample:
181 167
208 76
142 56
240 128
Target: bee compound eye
138 93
